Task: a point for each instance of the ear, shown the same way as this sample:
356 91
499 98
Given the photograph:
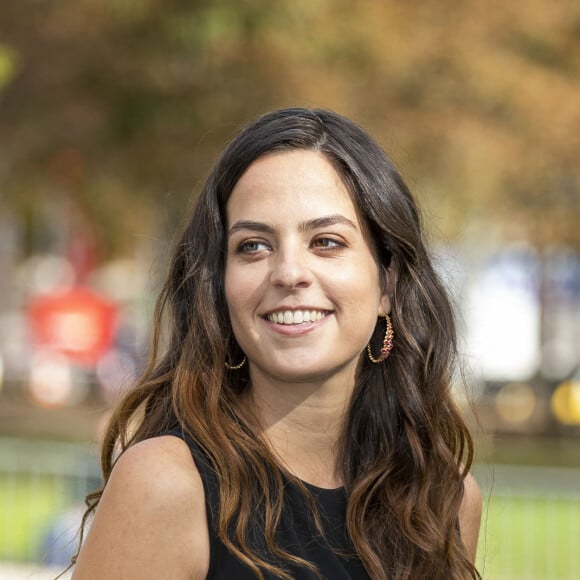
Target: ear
388 282
384 306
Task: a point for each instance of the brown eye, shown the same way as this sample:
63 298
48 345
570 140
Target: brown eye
327 243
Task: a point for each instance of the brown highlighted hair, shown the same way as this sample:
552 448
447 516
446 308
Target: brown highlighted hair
405 450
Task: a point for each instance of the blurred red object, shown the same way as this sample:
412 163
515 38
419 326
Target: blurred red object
76 322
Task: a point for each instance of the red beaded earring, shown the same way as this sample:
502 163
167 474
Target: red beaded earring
387 343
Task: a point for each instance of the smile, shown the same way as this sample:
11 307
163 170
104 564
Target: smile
296 316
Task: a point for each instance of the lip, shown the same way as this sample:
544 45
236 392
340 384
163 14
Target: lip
296 329
294 309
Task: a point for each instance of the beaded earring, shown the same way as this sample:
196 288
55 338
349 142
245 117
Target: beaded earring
387 343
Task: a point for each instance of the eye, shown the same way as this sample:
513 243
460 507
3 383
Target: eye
252 247
324 243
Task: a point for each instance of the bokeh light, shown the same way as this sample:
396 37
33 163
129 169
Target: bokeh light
516 402
565 402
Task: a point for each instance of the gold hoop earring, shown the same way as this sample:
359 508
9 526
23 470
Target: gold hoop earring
235 367
387 343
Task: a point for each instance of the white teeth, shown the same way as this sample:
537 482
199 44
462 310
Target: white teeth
295 316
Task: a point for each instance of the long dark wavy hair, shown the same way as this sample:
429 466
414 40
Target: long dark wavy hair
404 450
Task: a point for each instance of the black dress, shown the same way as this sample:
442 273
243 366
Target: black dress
333 554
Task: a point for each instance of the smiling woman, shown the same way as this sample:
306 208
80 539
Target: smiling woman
299 424
297 247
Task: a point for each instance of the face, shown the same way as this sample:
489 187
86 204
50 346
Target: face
302 283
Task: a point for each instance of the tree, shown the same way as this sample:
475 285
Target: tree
121 105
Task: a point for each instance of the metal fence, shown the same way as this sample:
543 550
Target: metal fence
530 529
531 523
42 488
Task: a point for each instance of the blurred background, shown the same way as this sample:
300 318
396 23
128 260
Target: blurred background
111 113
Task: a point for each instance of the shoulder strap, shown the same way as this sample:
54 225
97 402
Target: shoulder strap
206 471
210 488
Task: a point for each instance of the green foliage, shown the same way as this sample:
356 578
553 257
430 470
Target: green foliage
27 507
8 65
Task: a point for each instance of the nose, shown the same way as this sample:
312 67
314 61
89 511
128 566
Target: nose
290 270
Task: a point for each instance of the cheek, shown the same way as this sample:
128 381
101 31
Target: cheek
360 284
240 290
232 291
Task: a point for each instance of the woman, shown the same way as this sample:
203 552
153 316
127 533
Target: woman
298 423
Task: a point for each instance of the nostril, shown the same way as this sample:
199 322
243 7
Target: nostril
291 276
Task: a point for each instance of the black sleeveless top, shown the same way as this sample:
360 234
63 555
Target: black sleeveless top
332 554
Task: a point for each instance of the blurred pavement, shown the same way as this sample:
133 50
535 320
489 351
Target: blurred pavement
28 572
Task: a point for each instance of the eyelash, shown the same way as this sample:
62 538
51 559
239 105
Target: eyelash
334 244
331 244
242 248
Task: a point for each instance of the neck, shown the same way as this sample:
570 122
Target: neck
302 423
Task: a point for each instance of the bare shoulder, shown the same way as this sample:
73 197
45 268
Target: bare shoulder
470 515
167 464
151 520
160 470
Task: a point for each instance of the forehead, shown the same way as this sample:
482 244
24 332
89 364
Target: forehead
289 184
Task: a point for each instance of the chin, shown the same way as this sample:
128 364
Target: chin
303 373
304 376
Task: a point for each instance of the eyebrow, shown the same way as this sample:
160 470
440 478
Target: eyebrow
314 224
